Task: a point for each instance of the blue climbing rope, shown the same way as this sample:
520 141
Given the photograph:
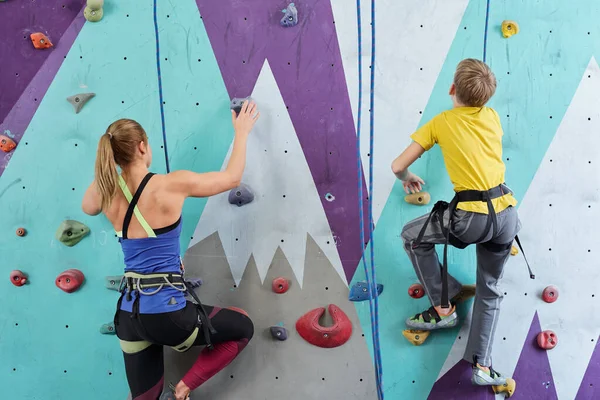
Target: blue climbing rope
485 32
370 277
160 94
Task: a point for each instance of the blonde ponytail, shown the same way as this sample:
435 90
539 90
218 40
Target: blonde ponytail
117 147
106 171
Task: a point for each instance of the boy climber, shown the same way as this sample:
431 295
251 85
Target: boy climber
481 213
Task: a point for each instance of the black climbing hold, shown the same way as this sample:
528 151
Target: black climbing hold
237 103
79 100
241 195
290 16
279 333
71 232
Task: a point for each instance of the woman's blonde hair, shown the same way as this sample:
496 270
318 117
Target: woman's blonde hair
117 146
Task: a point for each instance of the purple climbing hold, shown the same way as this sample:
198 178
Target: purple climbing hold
194 283
290 17
360 291
237 103
241 195
279 333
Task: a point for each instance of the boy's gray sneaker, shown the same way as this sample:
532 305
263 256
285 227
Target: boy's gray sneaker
430 320
483 378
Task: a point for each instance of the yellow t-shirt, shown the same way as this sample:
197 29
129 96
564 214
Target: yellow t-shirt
471 142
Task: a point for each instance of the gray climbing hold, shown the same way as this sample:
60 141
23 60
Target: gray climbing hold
241 195
79 100
290 16
108 329
279 333
237 103
70 232
113 282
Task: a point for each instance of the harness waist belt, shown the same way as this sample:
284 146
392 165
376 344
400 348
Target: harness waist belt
140 282
136 282
440 207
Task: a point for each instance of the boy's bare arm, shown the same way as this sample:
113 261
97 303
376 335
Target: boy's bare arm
411 182
405 160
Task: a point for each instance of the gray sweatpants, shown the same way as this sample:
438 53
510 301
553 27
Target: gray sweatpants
467 227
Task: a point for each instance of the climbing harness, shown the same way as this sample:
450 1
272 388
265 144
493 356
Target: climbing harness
137 284
370 276
468 196
160 93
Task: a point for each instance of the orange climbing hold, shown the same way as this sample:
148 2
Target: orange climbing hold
7 144
21 232
40 41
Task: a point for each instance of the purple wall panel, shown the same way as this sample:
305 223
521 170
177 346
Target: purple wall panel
21 94
307 66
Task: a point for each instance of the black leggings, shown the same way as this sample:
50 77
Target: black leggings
142 342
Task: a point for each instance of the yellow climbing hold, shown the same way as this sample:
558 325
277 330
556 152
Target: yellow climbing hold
514 251
419 199
509 28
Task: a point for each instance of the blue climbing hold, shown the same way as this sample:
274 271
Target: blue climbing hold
279 333
237 103
360 291
241 195
290 17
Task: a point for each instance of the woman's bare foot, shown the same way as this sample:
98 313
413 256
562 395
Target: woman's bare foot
182 392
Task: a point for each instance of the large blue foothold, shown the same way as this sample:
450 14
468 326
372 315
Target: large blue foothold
290 17
360 291
279 333
241 195
237 103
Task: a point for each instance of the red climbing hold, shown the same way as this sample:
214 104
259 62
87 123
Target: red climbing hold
21 232
7 144
280 285
550 294
416 291
18 278
239 310
70 280
321 336
547 340
40 41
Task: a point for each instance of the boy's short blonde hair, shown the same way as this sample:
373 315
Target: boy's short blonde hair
475 83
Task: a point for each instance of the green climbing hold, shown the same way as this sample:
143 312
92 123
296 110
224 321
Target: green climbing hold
71 232
108 329
93 15
113 282
95 4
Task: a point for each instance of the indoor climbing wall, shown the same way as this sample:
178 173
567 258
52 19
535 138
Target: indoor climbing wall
303 224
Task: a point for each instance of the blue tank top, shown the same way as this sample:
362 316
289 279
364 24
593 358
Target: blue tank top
158 253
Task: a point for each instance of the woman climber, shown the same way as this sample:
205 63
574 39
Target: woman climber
152 311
